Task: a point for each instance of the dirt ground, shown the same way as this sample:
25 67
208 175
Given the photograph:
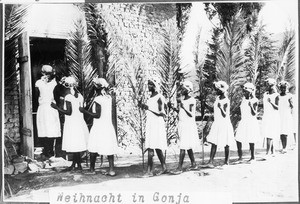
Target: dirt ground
271 180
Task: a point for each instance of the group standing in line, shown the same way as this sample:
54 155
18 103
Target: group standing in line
277 122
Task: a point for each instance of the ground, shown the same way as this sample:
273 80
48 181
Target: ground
271 180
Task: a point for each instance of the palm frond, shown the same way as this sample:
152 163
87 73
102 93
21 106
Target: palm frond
230 61
78 52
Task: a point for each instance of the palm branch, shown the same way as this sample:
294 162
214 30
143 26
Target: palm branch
169 73
79 61
230 62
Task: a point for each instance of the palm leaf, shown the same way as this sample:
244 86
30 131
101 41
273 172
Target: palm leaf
230 61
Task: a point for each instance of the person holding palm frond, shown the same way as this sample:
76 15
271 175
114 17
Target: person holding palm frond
75 132
102 138
221 132
247 131
187 128
155 126
285 106
271 117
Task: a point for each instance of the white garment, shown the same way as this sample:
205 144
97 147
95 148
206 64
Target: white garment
102 138
47 119
285 112
156 135
248 128
270 119
76 132
187 128
221 132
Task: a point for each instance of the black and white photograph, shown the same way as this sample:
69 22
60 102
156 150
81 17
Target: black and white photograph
150 102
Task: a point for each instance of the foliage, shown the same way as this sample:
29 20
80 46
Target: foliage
230 62
169 66
79 61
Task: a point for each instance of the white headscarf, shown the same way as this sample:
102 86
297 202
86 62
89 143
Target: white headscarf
188 85
249 87
222 86
100 82
69 82
156 81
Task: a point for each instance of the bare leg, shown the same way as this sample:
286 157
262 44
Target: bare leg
283 142
269 145
213 151
181 159
226 155
93 157
192 158
161 159
111 165
150 160
239 149
252 151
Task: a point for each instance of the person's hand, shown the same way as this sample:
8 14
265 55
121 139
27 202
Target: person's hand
269 100
219 105
53 105
81 109
249 104
170 105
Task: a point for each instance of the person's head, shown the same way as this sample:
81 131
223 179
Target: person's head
221 87
271 85
248 90
283 86
48 71
187 88
154 84
69 83
101 85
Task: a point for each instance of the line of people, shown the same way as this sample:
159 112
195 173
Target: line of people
101 139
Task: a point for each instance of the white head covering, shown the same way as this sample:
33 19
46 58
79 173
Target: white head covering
221 85
69 82
47 68
284 83
271 81
156 81
249 87
188 85
100 82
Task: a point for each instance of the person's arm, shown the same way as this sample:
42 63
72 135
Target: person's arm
275 106
223 109
291 102
188 112
253 108
171 106
68 110
97 114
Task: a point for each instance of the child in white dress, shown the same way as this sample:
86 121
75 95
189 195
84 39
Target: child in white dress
247 131
221 133
271 118
187 128
75 132
285 106
155 126
47 119
102 138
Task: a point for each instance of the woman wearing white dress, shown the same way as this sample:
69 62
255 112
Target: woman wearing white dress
47 119
187 128
285 106
271 118
247 131
75 132
102 138
155 125
221 133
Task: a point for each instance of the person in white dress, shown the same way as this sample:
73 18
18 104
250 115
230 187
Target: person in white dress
285 106
247 131
75 131
102 138
47 119
221 133
271 118
155 136
187 128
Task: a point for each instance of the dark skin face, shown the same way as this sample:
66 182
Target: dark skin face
151 86
246 94
282 90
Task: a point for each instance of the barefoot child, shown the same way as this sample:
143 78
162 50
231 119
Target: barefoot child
102 138
47 119
187 128
221 133
75 132
155 126
271 120
285 106
247 131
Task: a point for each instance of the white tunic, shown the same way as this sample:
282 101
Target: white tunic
187 128
47 119
156 135
102 137
248 128
270 119
285 112
221 132
76 132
